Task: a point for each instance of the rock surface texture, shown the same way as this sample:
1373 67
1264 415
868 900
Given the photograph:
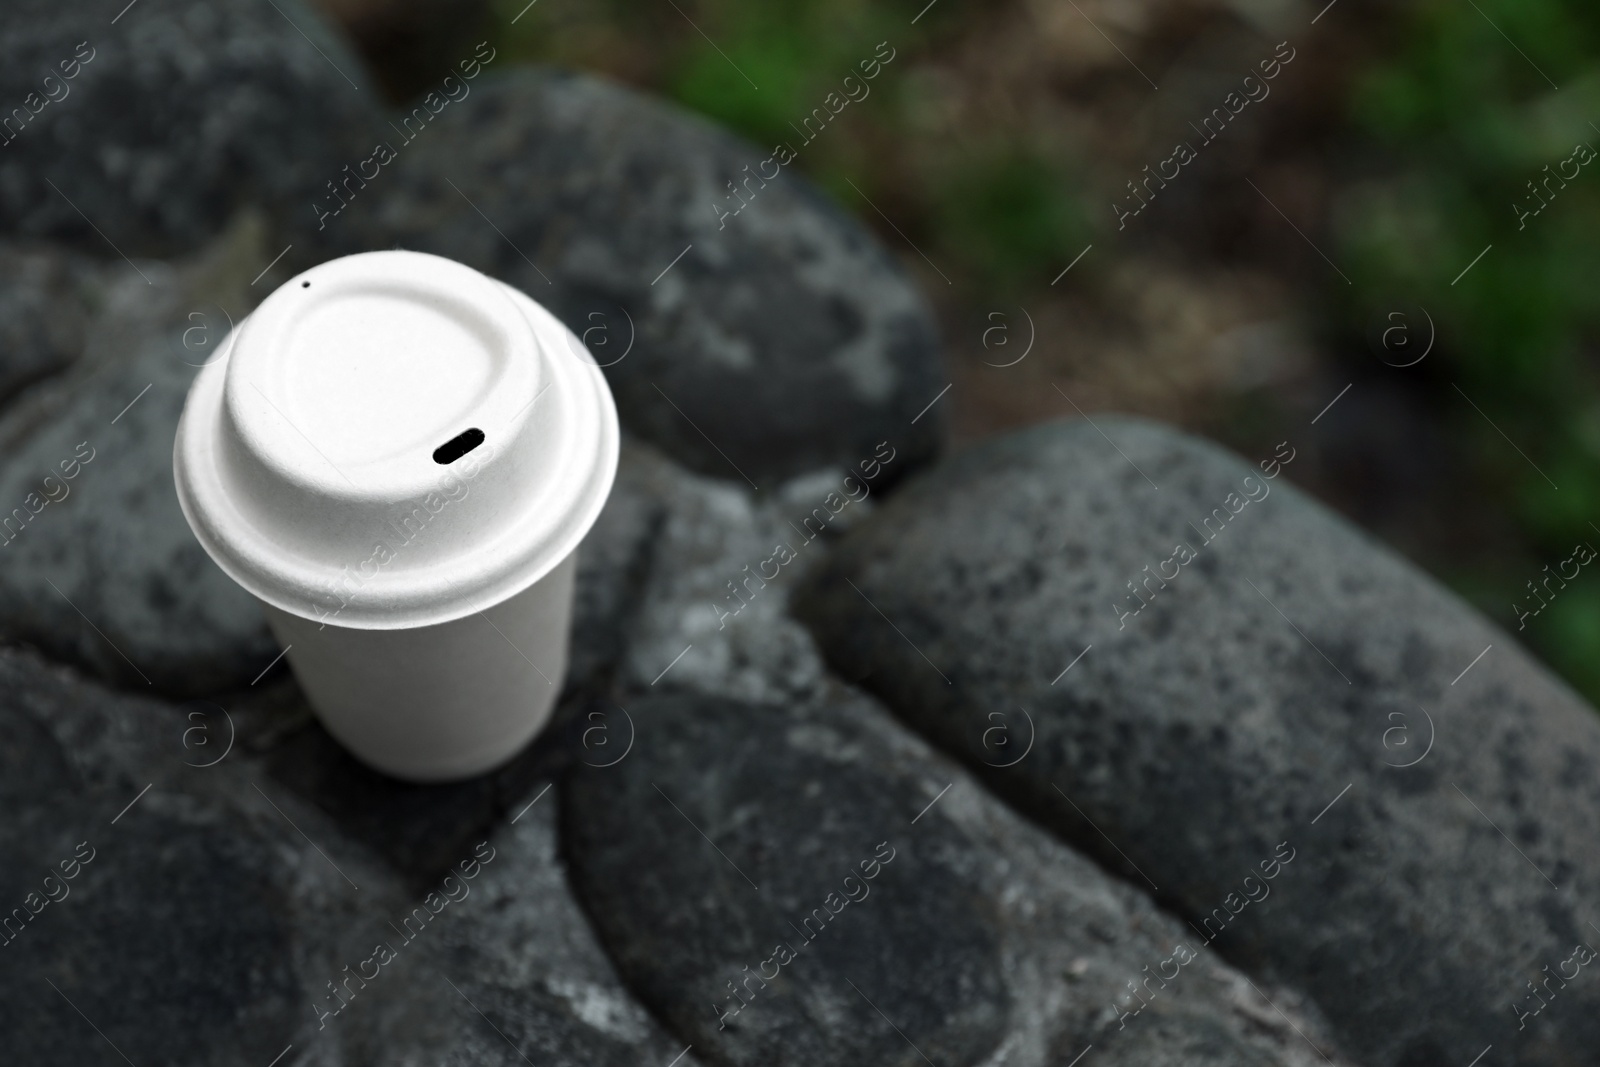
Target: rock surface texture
100 567
46 296
213 916
1259 673
141 133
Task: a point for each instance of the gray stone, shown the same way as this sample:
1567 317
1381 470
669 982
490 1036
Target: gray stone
218 907
785 824
612 564
732 833
705 619
783 340
1067 936
179 927
419 829
1284 686
167 925
101 568
516 977
178 113
46 295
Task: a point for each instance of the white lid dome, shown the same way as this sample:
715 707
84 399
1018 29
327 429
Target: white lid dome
393 439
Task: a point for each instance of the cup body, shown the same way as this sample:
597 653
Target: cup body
441 702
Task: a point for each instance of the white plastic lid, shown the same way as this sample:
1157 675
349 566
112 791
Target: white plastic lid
392 440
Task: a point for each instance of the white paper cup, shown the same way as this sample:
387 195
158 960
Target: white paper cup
399 456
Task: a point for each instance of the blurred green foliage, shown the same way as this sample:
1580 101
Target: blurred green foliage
796 52
1012 214
1461 116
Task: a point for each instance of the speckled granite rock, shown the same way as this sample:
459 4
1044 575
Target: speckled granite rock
784 770
516 977
784 339
613 561
218 913
925 953
46 296
1283 683
156 123
175 936
101 568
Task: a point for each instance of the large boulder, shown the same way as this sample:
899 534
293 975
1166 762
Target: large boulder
786 827
136 911
802 886
101 567
753 346
1264 682
142 131
613 561
515 976
47 294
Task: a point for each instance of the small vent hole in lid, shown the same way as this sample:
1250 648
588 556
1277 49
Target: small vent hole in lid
458 446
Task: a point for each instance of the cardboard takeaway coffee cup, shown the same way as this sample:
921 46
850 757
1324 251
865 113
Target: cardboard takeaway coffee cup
398 456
